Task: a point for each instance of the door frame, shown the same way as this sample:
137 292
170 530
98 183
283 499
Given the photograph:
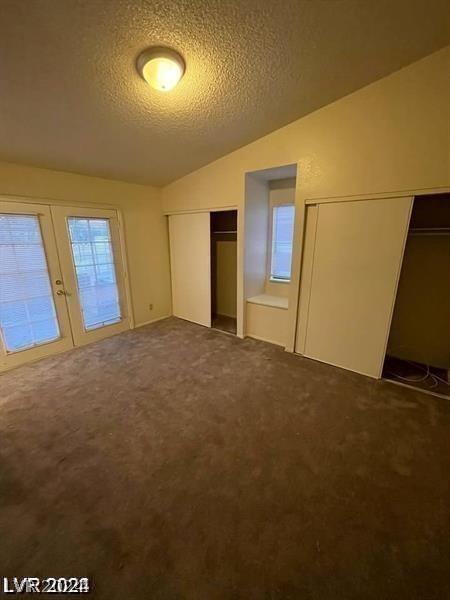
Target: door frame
65 341
95 205
60 214
299 315
43 202
390 271
240 254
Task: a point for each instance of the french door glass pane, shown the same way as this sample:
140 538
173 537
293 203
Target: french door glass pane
27 311
94 266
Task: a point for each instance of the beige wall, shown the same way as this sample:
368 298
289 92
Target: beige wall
391 135
266 323
145 225
420 329
256 218
277 288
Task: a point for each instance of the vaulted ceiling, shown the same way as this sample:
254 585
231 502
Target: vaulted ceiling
71 99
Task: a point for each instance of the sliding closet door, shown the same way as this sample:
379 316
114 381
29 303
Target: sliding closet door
93 271
190 262
34 320
356 263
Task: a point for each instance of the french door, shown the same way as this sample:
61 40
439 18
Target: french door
93 273
34 320
61 280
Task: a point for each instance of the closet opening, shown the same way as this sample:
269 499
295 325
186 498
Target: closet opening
224 270
418 351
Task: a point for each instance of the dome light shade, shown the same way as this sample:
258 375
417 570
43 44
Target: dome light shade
162 68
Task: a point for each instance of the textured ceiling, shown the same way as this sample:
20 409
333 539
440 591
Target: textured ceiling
70 97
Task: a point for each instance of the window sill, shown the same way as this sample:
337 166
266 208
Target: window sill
275 280
268 300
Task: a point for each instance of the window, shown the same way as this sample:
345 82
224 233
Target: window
94 265
282 234
27 312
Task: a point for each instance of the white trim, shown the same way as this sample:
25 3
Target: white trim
6 368
54 201
416 389
125 262
388 331
330 364
296 261
269 300
30 361
151 321
262 339
223 331
183 211
272 206
379 195
305 285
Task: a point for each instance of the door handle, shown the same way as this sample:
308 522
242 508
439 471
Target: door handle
62 293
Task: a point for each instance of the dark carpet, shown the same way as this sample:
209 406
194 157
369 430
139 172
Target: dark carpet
175 462
224 323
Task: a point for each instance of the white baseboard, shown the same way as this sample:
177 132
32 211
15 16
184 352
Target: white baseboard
262 339
152 321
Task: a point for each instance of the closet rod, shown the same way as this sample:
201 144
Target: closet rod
224 232
430 231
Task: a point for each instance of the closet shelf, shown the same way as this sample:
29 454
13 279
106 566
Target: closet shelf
429 231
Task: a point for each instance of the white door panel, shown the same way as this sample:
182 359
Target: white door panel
356 264
190 258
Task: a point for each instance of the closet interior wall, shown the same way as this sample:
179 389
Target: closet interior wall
224 270
418 351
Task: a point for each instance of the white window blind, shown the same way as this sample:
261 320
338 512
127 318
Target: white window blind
27 310
282 234
94 265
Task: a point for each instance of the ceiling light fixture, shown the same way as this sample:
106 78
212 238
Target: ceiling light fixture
162 68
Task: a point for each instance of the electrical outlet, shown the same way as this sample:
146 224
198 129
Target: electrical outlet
150 306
